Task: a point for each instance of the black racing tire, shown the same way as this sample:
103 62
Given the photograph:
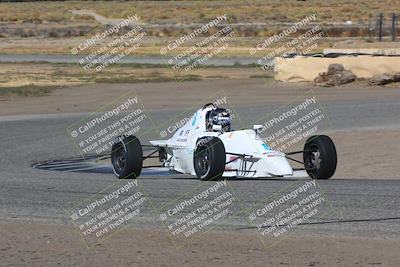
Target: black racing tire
209 159
319 156
127 158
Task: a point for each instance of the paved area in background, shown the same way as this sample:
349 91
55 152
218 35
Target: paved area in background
365 210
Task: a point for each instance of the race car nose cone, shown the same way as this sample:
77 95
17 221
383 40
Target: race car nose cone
277 165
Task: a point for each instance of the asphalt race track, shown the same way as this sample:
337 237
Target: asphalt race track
362 207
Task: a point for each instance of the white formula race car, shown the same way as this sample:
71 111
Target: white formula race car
207 146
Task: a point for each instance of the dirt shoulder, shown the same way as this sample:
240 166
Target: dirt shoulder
241 91
21 76
367 154
43 244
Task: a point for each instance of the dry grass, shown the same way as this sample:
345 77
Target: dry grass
199 11
237 47
27 90
55 15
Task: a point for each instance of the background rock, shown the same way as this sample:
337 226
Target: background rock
335 75
382 79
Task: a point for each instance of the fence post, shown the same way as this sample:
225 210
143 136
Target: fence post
380 24
394 30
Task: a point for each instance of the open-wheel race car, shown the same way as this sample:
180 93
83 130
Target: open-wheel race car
207 146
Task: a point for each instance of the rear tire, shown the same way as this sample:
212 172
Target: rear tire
127 158
320 158
209 158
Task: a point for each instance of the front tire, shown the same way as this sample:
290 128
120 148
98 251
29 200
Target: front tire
209 158
127 158
320 158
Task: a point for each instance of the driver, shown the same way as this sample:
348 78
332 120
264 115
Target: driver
219 116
